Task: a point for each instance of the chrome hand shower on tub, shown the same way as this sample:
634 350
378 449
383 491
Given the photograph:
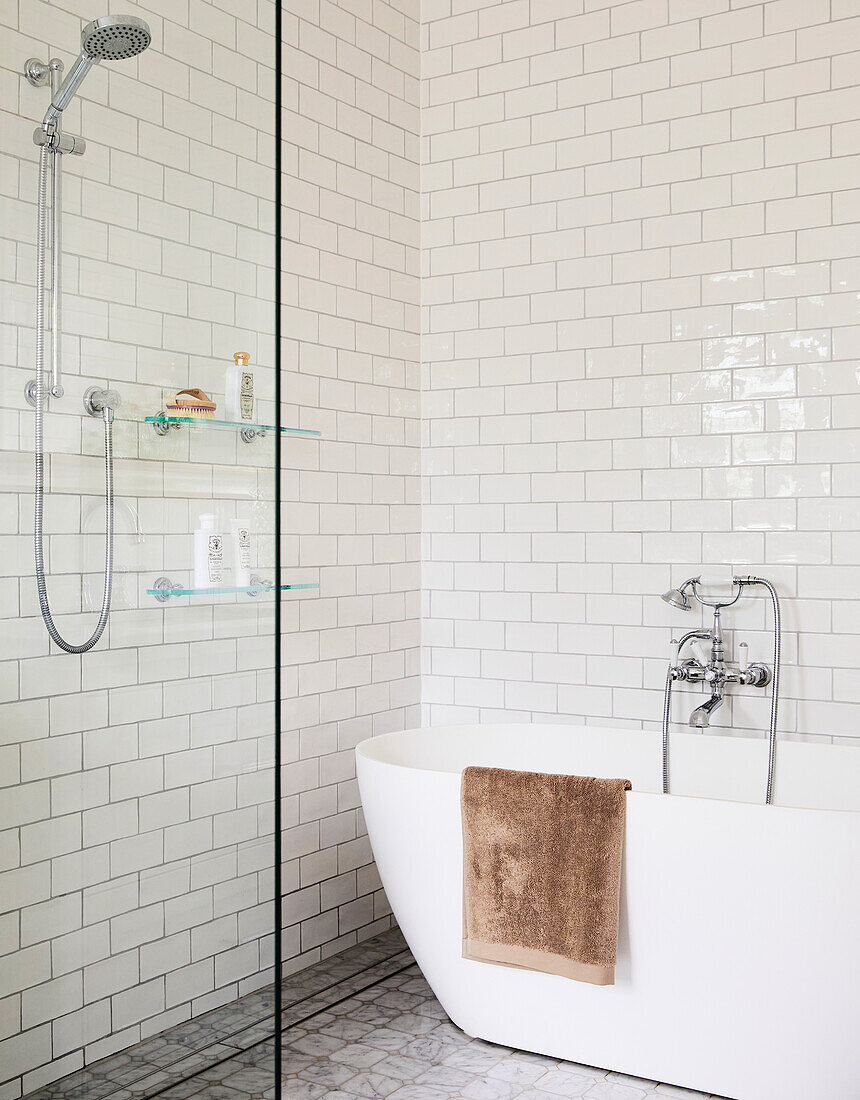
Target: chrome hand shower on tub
111 38
709 667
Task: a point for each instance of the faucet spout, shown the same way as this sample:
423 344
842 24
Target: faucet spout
703 635
701 716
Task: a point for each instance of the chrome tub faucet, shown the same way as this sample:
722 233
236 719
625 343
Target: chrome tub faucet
708 665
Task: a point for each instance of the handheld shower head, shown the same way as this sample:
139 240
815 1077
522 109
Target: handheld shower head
677 597
111 38
115 37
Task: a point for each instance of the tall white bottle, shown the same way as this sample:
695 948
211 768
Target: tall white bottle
239 389
241 532
208 553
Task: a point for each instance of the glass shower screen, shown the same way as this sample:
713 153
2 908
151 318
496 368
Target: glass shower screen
138 680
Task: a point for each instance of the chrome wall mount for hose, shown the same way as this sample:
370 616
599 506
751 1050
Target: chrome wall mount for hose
96 403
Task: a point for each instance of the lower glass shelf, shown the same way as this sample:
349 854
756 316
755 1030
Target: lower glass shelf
164 588
162 424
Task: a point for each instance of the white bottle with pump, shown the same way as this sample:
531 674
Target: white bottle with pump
208 553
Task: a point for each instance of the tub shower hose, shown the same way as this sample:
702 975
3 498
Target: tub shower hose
774 688
667 703
107 415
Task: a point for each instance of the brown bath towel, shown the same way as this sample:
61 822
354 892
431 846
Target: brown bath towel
542 871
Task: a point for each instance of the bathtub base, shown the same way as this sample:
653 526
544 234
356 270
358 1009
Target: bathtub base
738 964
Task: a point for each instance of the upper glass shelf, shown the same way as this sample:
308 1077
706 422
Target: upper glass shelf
164 588
162 424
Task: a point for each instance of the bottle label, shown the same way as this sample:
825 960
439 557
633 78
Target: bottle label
215 558
243 538
246 395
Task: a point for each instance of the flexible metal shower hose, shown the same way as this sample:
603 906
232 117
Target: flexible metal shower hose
667 703
774 687
39 442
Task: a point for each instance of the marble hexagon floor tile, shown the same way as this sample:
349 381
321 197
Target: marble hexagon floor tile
392 1041
362 1026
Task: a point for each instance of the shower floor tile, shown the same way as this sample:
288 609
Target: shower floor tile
393 1040
171 1057
360 1026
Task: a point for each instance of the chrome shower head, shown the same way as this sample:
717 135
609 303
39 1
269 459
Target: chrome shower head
677 597
111 38
115 37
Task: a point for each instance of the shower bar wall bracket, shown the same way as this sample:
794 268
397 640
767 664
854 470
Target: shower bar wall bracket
40 73
59 141
31 390
96 401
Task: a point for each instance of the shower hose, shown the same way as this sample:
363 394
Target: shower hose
107 416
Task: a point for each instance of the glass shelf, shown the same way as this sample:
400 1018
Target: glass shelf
164 588
162 424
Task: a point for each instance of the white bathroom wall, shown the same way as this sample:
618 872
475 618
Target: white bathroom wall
351 505
640 350
134 880
136 838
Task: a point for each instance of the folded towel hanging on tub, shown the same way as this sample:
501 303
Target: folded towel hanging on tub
542 871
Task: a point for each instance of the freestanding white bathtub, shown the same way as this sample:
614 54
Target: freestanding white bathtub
739 944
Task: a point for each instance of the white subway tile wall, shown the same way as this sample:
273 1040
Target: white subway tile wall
136 812
136 833
351 503
640 293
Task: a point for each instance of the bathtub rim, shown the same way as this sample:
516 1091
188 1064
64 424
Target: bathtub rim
373 750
